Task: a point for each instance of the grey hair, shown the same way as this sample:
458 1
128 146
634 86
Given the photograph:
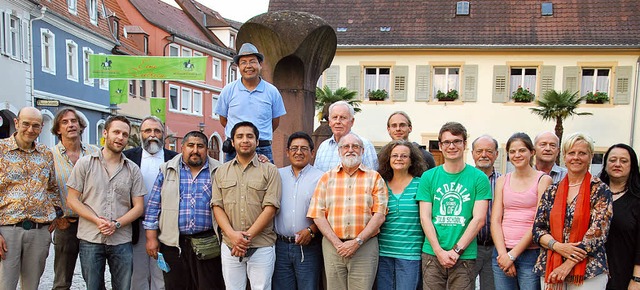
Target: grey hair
352 112
473 144
341 142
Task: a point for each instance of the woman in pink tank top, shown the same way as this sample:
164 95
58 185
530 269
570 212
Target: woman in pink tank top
514 208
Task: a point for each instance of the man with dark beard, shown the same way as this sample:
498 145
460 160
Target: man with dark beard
178 221
146 274
349 206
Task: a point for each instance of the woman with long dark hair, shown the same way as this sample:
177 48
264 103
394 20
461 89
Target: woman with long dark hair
620 171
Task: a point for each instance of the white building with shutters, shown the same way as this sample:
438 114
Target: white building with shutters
486 58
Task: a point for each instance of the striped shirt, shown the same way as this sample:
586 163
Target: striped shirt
194 214
348 201
401 235
484 235
63 170
328 157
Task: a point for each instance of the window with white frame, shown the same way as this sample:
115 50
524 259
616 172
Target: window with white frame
73 6
217 69
446 79
146 44
99 129
93 11
85 66
48 51
197 53
214 104
376 78
143 88
174 97
232 73
232 41
185 100
26 38
14 43
522 77
186 51
72 60
174 50
154 84
197 102
132 88
595 80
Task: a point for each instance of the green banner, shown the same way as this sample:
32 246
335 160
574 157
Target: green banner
118 91
103 66
158 107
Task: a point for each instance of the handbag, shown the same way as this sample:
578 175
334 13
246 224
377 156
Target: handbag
206 248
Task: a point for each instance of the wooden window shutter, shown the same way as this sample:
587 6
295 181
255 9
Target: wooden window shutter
400 75
570 75
623 85
332 75
353 79
500 92
423 77
470 83
547 79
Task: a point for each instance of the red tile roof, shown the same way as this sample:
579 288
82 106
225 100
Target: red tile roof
432 23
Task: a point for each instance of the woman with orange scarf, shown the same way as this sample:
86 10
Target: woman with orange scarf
572 223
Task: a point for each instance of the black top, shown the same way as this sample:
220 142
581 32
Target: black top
623 243
428 157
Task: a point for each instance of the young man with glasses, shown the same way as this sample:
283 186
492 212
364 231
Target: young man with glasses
349 206
453 203
298 247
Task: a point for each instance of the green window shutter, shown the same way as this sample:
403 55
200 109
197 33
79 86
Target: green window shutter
470 83
547 78
353 79
332 77
623 82
400 75
570 76
423 77
500 74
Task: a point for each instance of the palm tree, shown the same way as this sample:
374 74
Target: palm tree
558 106
325 97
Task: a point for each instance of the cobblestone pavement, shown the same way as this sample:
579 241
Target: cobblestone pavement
46 281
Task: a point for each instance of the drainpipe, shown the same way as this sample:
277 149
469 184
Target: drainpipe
43 9
634 103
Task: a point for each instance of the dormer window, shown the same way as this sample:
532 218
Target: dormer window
462 8
93 11
232 41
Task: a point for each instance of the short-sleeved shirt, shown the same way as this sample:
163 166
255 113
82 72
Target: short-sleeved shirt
328 157
64 168
107 196
28 189
452 197
296 197
348 202
260 106
243 194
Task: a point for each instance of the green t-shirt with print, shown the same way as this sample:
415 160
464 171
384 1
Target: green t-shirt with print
452 197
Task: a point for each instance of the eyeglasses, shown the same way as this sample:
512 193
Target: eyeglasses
448 143
352 146
252 62
399 156
303 149
27 125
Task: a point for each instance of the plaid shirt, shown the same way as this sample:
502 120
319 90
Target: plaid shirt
349 201
194 215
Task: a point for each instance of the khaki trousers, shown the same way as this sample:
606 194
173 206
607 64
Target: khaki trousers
26 257
357 272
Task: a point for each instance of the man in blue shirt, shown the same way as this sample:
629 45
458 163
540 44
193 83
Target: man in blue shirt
298 247
178 217
250 99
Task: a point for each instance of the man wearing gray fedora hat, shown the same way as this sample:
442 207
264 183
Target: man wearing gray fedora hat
252 99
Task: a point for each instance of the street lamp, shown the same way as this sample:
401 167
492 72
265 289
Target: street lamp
201 127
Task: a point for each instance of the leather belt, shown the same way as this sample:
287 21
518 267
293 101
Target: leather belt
264 143
27 225
290 240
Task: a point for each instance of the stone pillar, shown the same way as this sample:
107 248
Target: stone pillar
297 48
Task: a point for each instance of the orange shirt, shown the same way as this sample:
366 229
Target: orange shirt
348 201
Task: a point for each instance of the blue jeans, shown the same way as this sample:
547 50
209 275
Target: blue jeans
92 262
291 271
265 150
525 278
394 273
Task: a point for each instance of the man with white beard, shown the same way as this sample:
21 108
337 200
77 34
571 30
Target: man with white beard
348 206
146 274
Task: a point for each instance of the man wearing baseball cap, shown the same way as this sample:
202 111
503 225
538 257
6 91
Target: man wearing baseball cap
252 99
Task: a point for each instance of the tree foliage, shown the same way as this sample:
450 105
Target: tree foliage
325 97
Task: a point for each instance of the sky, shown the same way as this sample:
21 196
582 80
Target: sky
238 10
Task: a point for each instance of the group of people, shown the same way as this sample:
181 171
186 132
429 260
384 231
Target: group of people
391 220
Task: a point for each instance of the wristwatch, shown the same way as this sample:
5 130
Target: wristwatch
635 279
511 257
360 241
118 224
458 250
